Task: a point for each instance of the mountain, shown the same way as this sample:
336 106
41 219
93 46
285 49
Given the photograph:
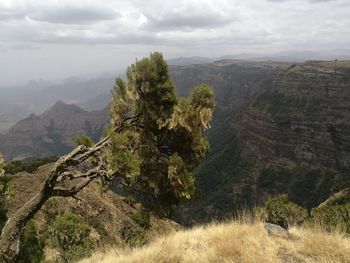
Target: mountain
278 128
188 61
52 132
290 135
17 103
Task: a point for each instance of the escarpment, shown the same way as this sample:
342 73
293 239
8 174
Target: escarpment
291 135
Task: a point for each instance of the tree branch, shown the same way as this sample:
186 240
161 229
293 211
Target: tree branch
16 223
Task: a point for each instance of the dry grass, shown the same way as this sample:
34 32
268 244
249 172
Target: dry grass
236 241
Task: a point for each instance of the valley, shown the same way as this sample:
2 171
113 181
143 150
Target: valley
278 128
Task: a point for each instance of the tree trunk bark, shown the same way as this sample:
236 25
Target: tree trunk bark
11 233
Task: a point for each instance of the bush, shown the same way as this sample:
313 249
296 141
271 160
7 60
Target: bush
70 234
332 217
31 248
279 210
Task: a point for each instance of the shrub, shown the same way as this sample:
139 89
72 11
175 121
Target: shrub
142 218
279 210
31 248
332 217
70 234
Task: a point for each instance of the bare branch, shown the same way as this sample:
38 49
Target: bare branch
62 191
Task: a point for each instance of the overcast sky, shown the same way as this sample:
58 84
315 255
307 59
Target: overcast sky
53 39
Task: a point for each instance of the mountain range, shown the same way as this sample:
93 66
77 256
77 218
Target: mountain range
279 127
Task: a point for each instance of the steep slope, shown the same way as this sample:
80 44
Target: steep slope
291 137
234 81
52 132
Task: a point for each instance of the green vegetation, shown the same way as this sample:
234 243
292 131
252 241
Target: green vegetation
5 191
142 218
14 167
279 210
70 234
31 247
83 140
332 217
158 154
2 166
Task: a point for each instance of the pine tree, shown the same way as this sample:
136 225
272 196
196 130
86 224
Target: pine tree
157 155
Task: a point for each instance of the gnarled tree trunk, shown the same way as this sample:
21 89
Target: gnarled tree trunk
11 233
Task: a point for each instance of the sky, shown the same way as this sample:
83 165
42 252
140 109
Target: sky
55 39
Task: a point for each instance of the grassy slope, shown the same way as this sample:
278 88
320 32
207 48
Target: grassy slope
236 242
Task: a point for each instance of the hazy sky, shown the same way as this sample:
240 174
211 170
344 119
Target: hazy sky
53 39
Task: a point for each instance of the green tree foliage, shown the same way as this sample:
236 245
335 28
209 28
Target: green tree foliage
279 210
83 140
157 155
70 234
31 248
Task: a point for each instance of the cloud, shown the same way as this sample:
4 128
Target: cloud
185 21
91 30
187 15
72 14
61 12
311 1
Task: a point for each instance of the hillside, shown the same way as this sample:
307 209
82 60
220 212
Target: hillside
291 136
236 242
111 218
52 132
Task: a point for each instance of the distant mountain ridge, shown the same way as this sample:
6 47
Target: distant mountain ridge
18 103
52 132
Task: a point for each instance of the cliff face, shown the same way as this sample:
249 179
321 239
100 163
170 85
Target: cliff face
291 135
299 130
53 132
305 116
234 81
